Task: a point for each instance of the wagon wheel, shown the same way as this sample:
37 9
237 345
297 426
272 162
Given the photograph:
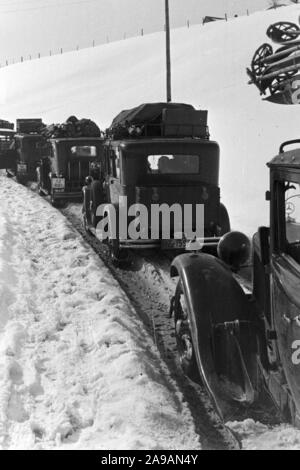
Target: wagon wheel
261 85
184 338
258 66
283 31
280 81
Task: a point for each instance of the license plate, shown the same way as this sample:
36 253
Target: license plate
22 168
173 244
58 183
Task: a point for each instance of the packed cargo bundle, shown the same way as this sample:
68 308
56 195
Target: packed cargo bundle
30 126
160 120
276 72
6 124
72 128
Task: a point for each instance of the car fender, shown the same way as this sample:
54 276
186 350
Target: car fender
214 297
208 283
86 207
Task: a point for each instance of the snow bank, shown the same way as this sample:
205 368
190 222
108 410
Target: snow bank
6 275
256 436
2 236
77 369
209 65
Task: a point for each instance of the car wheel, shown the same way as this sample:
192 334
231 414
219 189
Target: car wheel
184 338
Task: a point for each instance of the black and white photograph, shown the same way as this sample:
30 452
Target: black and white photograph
149 228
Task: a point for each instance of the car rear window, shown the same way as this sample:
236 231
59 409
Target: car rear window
84 151
173 164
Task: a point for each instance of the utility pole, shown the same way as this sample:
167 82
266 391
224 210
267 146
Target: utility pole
168 52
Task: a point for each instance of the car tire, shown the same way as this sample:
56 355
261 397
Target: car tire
183 337
97 200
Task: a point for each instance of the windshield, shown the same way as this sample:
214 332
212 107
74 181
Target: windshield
173 164
292 212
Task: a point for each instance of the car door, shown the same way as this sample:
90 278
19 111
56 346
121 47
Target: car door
285 281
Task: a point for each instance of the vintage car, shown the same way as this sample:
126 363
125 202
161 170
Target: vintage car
157 154
242 339
26 147
8 157
24 150
64 165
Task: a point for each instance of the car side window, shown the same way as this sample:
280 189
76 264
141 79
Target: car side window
106 159
117 162
46 150
292 219
114 163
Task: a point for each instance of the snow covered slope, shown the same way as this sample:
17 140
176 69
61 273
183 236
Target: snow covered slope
77 369
208 71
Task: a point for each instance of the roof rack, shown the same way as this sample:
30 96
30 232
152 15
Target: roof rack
29 126
6 125
167 120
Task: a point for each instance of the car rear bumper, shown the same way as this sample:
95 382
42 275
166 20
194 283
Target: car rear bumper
67 195
160 244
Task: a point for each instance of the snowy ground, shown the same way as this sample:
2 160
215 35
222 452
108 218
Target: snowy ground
77 369
256 436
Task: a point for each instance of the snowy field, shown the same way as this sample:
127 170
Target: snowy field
77 369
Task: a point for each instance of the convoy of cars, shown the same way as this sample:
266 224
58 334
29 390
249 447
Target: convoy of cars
59 164
237 337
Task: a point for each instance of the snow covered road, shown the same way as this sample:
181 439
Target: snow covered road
77 369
